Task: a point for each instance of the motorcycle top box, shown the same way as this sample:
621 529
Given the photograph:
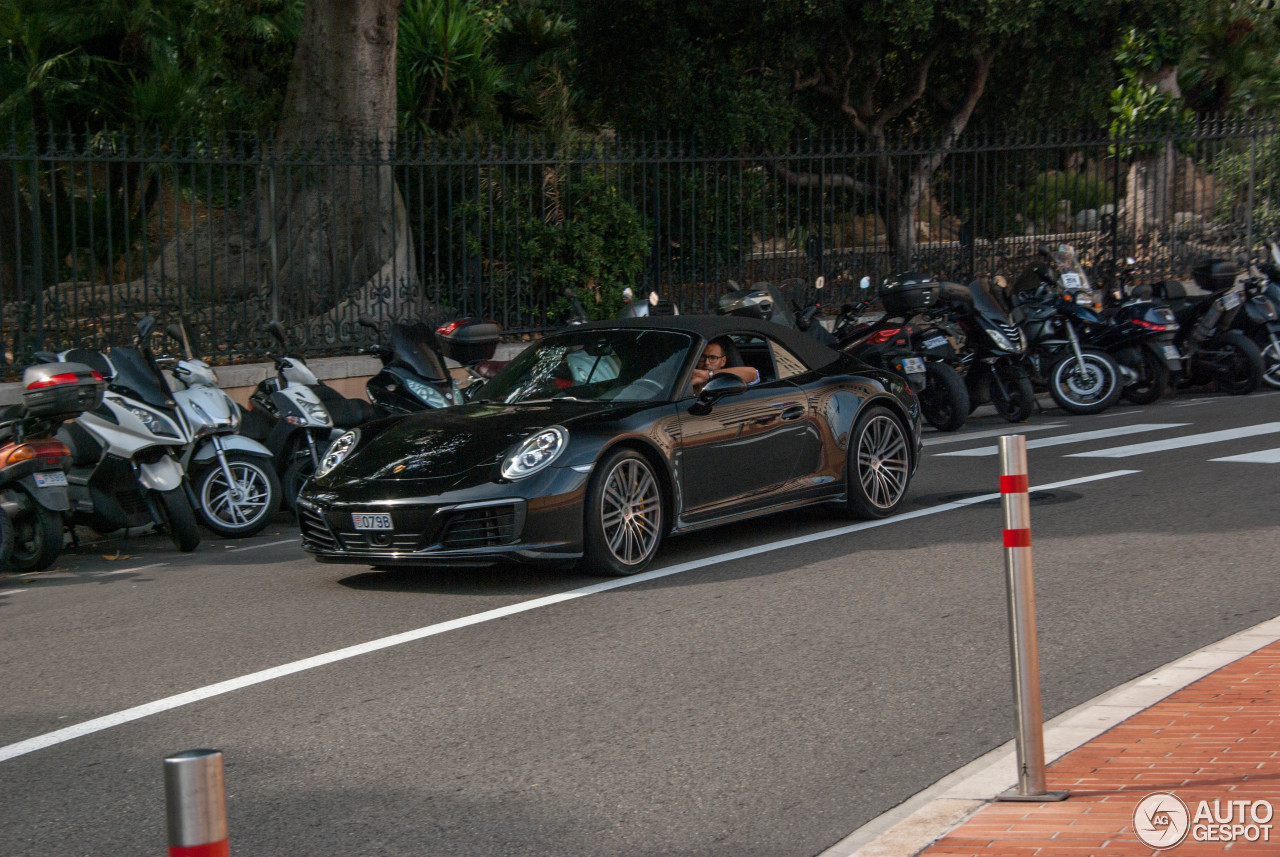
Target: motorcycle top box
909 293
469 340
1215 275
61 390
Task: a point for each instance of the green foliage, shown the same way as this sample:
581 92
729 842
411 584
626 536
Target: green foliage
1082 190
1138 106
1253 163
446 74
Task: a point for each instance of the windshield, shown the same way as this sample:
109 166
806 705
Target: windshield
137 377
594 366
411 345
988 300
1074 278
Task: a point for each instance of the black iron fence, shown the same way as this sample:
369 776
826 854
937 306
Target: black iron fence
98 229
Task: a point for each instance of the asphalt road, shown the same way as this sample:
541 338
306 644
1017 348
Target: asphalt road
763 704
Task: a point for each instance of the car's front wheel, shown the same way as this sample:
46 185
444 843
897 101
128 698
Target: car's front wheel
624 515
879 465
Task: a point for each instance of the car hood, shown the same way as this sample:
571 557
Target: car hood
445 442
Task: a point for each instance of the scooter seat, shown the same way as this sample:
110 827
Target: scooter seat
348 413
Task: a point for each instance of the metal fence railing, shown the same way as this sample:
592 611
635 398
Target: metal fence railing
98 228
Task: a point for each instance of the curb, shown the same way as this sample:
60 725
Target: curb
922 819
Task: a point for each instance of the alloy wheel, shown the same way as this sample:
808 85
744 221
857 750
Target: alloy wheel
883 461
631 511
240 503
1271 364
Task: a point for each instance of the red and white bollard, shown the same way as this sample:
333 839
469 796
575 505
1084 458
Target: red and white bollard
196 804
1023 646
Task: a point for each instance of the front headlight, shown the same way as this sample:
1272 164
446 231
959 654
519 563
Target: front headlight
1002 342
426 393
338 451
316 412
535 453
155 423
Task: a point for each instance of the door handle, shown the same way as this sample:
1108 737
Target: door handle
793 413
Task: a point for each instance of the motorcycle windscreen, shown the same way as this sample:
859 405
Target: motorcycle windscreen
988 302
135 375
412 348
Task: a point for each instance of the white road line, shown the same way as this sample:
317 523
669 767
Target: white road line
98 724
1265 456
1078 437
1180 442
267 545
127 570
975 435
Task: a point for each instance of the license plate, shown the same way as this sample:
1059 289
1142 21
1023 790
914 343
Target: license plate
1072 280
913 366
935 342
1230 300
1171 352
57 479
371 520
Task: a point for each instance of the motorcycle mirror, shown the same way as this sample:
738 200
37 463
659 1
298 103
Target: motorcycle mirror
174 332
274 328
864 283
145 326
653 298
820 282
1130 261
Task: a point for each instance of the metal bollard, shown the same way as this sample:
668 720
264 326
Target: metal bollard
1023 646
196 804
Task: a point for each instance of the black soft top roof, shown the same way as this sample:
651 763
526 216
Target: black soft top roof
814 354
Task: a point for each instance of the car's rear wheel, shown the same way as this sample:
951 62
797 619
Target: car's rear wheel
624 515
879 465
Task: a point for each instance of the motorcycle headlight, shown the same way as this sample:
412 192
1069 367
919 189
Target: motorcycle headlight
535 452
1002 342
426 393
155 423
338 451
316 412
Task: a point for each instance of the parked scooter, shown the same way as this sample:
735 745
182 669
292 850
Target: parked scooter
1260 320
234 477
911 340
1213 353
297 417
993 349
414 377
653 306
33 481
1141 336
125 469
1081 379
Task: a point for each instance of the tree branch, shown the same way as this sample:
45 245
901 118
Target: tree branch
911 96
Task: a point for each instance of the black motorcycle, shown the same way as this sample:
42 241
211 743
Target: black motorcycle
1213 353
1260 320
1046 305
992 349
413 376
912 340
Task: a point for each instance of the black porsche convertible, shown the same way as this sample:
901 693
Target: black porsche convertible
591 446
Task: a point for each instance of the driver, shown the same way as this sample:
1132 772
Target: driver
712 362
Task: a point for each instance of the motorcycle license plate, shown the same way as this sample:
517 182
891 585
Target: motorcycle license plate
1230 300
1071 280
913 366
371 520
57 479
935 342
1171 352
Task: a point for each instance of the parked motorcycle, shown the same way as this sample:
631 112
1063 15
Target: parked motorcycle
413 376
1047 307
234 477
33 481
1260 320
992 349
1213 353
913 341
125 469
1141 337
297 417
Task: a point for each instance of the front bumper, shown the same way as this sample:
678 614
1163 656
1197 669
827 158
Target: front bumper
533 520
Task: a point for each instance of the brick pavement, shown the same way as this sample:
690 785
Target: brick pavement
1216 739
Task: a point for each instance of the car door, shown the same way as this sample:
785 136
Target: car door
742 451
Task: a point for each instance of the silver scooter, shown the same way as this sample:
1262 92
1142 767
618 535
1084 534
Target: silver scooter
125 469
233 477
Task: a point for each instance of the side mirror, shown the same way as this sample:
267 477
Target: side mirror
721 385
820 283
864 283
174 332
274 328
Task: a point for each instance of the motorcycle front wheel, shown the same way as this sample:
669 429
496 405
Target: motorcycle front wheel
242 509
179 518
944 400
1238 369
295 476
1270 362
1012 395
1088 385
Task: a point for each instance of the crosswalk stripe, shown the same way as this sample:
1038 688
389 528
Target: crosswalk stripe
1078 437
1265 456
975 435
1180 442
